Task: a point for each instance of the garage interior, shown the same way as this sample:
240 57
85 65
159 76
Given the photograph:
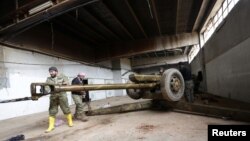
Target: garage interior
109 40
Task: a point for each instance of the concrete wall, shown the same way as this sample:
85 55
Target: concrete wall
227 56
19 68
122 70
125 72
196 64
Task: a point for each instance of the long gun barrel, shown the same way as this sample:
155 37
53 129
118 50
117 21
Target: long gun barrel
94 87
169 86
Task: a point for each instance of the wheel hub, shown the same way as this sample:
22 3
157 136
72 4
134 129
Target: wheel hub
175 84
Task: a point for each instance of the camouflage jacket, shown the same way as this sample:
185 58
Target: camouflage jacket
60 79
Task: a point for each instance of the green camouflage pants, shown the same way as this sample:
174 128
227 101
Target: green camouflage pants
58 100
79 104
78 99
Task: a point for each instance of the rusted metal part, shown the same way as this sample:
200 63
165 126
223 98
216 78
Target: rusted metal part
122 108
144 78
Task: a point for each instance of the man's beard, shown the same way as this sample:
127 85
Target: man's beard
53 76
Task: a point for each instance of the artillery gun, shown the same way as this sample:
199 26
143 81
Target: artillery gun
168 86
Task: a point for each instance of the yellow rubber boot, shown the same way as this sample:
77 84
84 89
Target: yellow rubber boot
69 118
51 124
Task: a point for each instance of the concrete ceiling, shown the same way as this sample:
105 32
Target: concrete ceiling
98 30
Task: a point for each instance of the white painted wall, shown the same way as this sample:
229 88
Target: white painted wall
18 69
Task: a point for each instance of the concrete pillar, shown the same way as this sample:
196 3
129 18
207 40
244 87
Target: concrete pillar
116 66
121 67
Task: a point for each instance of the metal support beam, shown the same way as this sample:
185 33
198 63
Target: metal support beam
156 16
186 50
118 50
200 15
177 16
157 61
17 15
184 10
121 25
76 32
42 16
136 19
83 27
20 9
85 12
54 53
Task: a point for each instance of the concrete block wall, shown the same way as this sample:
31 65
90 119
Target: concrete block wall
227 55
18 69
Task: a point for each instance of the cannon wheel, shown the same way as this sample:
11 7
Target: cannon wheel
172 85
134 93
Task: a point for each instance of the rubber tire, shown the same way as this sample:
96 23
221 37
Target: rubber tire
134 93
166 88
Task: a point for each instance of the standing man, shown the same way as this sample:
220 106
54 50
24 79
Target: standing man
78 98
185 70
57 99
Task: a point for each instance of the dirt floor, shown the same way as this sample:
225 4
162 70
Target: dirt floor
144 125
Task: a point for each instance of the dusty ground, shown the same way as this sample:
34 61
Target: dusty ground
141 125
